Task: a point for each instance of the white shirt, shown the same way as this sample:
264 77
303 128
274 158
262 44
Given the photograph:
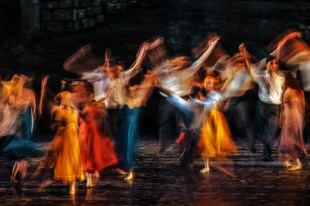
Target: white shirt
270 86
102 83
239 82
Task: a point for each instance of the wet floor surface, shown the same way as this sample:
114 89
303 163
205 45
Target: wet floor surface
240 180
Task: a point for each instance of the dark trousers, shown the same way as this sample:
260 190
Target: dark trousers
113 120
168 121
189 149
239 110
267 124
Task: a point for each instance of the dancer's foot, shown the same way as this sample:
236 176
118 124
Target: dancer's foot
15 171
295 167
44 185
89 185
96 174
89 180
129 177
122 172
205 170
23 169
72 190
287 164
14 180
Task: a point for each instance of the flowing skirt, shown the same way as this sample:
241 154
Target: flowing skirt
97 149
66 153
216 140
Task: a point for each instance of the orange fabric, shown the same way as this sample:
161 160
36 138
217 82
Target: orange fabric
68 166
216 140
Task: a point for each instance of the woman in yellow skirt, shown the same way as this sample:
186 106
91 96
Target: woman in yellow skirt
216 140
65 146
204 116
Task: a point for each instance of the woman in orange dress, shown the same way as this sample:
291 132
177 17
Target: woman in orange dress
65 146
216 140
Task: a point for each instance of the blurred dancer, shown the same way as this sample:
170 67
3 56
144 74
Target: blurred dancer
113 76
97 149
291 49
291 145
128 131
216 140
236 91
177 75
204 115
65 145
271 85
17 123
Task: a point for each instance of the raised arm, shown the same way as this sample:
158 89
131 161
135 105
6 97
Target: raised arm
276 52
254 70
134 68
199 62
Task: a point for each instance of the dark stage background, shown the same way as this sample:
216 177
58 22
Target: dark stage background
27 46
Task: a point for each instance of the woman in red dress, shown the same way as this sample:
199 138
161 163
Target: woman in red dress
96 146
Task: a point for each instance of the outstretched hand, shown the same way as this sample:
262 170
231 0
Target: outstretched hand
213 40
155 43
243 51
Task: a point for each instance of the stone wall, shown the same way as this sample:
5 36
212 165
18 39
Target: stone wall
61 16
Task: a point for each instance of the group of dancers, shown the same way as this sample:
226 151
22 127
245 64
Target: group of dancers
86 114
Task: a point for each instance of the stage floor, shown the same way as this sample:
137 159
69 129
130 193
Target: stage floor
159 181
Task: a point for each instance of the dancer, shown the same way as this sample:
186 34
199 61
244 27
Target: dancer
237 93
292 50
65 145
113 76
127 133
17 124
271 85
216 140
97 148
291 145
177 75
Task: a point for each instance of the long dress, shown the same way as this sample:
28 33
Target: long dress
126 136
97 148
290 142
65 147
216 139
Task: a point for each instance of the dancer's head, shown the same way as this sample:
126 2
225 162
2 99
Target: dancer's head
272 64
64 99
133 90
209 83
115 71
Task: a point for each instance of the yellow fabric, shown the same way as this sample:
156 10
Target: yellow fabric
67 159
216 140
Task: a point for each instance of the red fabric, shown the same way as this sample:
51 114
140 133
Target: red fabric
183 139
96 147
